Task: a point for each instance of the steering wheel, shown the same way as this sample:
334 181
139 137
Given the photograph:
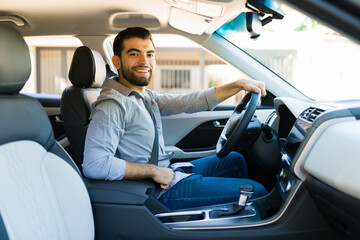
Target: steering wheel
235 128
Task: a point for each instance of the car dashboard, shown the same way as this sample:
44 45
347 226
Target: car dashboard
319 149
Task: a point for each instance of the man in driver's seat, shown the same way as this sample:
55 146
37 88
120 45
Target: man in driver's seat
120 137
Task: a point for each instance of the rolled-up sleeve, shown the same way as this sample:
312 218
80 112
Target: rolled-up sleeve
202 100
102 138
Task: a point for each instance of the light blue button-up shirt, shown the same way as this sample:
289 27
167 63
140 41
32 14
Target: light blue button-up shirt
122 129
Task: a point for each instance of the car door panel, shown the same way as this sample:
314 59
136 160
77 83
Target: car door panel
195 135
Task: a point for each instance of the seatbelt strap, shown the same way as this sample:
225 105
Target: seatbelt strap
155 150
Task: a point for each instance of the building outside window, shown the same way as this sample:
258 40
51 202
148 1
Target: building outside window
50 58
53 64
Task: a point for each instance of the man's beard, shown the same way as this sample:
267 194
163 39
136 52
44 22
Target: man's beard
130 76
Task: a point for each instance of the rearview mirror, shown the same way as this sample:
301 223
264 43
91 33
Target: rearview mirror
253 24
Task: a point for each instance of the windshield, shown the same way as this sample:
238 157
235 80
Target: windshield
313 58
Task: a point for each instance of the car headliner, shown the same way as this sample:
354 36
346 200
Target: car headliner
104 17
107 17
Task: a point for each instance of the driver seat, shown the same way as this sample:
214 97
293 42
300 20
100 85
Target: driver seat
87 73
42 193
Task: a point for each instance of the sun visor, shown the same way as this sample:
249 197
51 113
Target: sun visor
189 22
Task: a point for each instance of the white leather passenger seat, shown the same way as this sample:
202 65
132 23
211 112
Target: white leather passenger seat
42 194
42 197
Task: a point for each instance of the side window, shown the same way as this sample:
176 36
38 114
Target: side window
184 66
50 59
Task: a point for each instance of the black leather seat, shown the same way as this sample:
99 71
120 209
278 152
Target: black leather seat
42 193
87 73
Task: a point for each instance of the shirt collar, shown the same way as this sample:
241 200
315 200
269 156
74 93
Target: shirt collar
119 87
122 88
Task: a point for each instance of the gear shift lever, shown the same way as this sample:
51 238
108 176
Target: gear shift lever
246 191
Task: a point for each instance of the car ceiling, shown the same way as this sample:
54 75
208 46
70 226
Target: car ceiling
93 17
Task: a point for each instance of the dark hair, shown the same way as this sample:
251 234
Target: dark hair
131 32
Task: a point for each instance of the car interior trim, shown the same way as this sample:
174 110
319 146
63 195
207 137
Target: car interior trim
14 19
342 172
306 147
173 133
340 209
180 154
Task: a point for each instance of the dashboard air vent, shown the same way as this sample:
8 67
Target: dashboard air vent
311 114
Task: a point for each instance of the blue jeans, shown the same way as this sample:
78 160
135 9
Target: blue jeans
215 181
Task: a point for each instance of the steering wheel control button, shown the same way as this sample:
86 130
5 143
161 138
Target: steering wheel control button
282 173
288 186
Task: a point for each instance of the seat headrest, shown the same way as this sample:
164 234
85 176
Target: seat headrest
87 68
15 64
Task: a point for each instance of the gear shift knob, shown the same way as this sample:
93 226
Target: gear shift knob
246 191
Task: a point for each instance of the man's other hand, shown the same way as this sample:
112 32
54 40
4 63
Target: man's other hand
163 176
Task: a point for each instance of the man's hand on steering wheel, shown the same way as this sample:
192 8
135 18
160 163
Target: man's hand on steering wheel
253 86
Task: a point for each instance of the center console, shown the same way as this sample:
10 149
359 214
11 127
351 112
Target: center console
209 217
231 214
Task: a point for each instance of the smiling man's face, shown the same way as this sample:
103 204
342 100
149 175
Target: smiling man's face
137 61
